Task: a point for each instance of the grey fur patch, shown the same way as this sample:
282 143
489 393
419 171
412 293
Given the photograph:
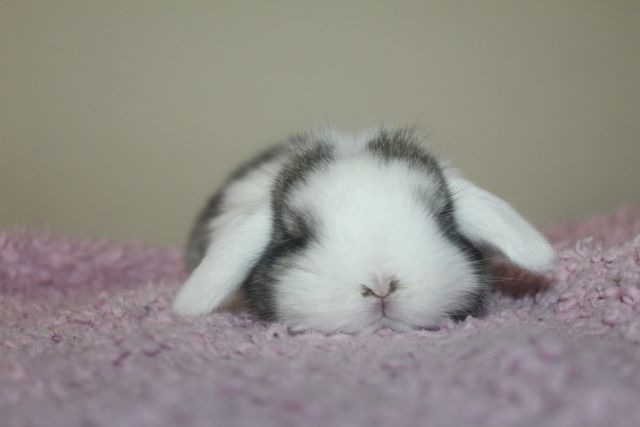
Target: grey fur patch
403 144
406 146
476 304
294 173
292 230
200 237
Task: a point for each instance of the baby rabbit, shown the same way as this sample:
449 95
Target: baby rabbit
345 233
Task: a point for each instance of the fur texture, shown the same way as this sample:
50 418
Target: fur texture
336 232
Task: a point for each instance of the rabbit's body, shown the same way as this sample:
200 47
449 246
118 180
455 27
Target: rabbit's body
341 233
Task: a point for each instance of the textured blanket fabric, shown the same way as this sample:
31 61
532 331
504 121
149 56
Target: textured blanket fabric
86 339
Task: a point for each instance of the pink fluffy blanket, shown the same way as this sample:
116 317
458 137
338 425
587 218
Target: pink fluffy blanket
87 339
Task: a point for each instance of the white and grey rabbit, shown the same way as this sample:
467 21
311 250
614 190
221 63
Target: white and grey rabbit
335 232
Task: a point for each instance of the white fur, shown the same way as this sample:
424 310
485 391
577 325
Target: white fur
488 220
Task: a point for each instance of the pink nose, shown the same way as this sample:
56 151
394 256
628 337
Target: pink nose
379 289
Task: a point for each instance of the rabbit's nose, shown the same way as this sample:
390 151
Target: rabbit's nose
379 289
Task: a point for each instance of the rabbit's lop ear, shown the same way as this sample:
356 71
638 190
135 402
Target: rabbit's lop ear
237 243
489 221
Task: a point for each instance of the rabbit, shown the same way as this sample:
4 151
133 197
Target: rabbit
336 232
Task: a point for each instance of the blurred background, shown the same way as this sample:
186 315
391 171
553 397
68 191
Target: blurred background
118 118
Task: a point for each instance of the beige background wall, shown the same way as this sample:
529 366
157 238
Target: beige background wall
118 118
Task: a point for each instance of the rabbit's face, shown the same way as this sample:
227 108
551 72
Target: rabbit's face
364 245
